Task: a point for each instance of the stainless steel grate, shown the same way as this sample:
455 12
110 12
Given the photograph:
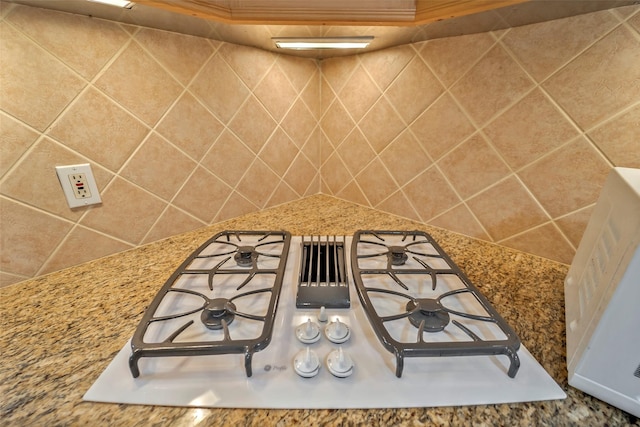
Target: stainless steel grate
323 275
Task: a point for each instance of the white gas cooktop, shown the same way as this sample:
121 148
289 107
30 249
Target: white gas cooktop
221 381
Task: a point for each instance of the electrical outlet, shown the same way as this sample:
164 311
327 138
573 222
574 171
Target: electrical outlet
79 185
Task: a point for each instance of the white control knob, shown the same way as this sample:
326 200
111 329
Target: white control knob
337 332
322 316
339 363
306 363
308 332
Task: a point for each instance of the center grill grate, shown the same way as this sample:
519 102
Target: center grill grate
323 278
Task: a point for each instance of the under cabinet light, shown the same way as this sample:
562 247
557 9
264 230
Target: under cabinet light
120 3
302 43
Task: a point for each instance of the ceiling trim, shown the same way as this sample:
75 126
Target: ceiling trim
436 10
328 12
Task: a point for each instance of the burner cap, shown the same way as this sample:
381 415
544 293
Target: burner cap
429 310
217 311
398 255
244 256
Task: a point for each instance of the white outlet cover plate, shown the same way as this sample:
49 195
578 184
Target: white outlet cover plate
63 173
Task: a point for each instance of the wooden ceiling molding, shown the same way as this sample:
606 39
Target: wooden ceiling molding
328 12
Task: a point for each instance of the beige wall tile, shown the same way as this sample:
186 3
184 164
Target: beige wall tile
544 241
314 187
473 166
282 194
36 86
157 158
336 123
574 224
492 85
99 129
353 193
235 206
15 139
228 159
385 65
634 21
300 175
359 93
355 152
172 221
601 81
460 220
258 183
414 90
127 212
506 209
220 77
381 125
404 158
35 181
619 138
335 174
450 58
327 95
567 179
529 129
299 123
5 8
72 38
203 195
7 279
276 93
190 126
336 71
430 194
398 204
301 72
85 245
219 88
376 183
311 148
248 63
134 79
279 152
253 124
442 126
543 48
27 237
312 97
180 54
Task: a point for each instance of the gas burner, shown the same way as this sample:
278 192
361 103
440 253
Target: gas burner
245 255
436 298
427 314
398 255
218 314
213 304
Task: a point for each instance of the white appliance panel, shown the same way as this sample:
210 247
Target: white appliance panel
220 381
602 293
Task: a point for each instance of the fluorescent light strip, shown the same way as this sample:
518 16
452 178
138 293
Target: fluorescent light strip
120 3
302 43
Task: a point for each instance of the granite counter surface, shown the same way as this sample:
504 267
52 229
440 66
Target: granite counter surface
60 331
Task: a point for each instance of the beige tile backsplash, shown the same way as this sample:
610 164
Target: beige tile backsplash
504 136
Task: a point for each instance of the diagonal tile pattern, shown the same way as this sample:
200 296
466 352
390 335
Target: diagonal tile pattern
515 129
505 136
180 131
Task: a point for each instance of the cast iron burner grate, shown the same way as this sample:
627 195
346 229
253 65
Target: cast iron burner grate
221 300
420 304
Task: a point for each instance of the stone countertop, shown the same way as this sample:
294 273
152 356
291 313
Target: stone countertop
60 331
